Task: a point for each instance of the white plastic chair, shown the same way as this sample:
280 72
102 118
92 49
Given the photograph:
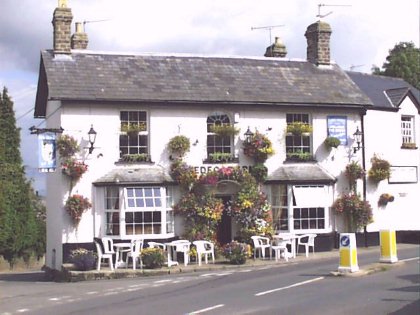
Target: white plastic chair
135 253
104 251
261 243
183 246
307 240
205 248
278 247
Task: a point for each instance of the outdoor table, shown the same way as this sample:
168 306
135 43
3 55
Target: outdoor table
290 239
174 247
120 248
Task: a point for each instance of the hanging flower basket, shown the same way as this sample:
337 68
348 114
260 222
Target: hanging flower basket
380 170
384 199
75 206
74 169
179 145
259 147
332 142
67 146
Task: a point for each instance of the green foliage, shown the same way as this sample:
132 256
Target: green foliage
179 145
332 142
225 130
260 172
22 231
298 127
354 172
67 146
380 169
402 62
152 257
299 156
220 157
140 157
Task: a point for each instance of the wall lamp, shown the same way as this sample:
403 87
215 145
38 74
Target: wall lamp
92 138
358 135
248 135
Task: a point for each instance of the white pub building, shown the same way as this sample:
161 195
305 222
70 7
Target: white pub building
172 94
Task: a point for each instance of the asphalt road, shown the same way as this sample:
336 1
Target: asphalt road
306 287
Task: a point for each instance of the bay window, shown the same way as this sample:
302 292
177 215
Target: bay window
301 208
138 211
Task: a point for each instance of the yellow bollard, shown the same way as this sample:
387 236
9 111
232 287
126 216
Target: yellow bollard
348 253
388 244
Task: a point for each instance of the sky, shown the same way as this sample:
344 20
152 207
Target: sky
363 33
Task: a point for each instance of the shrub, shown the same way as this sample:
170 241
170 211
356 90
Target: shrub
152 257
83 259
236 253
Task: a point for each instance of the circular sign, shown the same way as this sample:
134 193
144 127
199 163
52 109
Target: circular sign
345 240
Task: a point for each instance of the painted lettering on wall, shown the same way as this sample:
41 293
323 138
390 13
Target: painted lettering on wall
204 169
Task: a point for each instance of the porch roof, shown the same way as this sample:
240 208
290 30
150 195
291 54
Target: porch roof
134 176
301 173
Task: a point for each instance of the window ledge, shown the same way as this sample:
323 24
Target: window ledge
122 162
411 146
233 160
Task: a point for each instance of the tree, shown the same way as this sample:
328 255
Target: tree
22 232
402 62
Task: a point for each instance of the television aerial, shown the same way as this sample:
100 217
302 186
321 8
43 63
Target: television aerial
269 28
320 16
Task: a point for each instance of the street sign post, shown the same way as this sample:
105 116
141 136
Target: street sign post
388 246
348 253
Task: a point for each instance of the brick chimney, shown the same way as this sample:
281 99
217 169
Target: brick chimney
278 49
79 40
62 28
318 39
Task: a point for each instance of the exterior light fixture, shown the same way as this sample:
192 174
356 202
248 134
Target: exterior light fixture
248 135
92 138
358 135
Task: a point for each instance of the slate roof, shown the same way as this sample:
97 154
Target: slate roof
90 76
301 173
137 175
384 92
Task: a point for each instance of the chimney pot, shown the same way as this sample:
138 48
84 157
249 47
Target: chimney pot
278 49
318 41
79 40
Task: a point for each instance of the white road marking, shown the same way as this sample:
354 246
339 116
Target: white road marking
245 270
207 309
92 292
289 286
23 310
410 259
162 281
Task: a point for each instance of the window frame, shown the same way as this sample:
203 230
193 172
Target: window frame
298 143
164 211
135 144
219 144
290 210
407 132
